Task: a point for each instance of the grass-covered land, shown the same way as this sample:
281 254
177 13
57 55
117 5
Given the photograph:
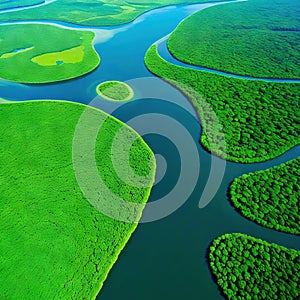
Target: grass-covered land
248 268
271 197
27 56
92 12
259 38
18 3
115 90
260 120
53 243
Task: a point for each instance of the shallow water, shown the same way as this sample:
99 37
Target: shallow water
165 259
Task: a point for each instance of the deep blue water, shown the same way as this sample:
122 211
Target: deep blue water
165 259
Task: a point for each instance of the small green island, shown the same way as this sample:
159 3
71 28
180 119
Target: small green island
53 240
270 197
63 55
115 90
249 268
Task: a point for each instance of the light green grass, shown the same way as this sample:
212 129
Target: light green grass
92 12
258 38
69 56
270 197
260 120
53 243
29 52
115 90
248 268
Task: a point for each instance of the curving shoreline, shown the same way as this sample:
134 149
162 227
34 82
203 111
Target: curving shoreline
21 8
164 53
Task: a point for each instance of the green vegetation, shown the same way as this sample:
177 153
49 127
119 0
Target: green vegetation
70 56
271 197
249 268
259 38
18 3
260 120
53 243
115 91
92 12
32 58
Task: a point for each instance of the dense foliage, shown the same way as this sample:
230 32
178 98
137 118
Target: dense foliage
23 46
260 120
18 3
92 12
259 38
115 90
249 268
271 197
53 243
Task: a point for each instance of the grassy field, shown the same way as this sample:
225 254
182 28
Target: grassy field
92 12
53 243
27 56
248 268
271 197
115 91
259 38
260 120
18 3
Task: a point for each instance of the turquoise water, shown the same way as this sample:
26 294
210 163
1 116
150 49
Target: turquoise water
165 259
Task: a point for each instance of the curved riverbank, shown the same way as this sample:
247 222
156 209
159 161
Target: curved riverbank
166 55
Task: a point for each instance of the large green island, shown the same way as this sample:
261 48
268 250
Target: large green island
52 239
64 54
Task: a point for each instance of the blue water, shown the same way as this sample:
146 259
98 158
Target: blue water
165 259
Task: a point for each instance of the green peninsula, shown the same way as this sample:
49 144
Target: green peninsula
53 243
248 268
260 120
270 197
258 38
63 55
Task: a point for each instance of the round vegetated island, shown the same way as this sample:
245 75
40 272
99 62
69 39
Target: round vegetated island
115 90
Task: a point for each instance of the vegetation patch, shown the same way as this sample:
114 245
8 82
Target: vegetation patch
260 120
15 52
53 242
258 38
18 3
63 55
92 12
271 197
115 91
248 268
70 56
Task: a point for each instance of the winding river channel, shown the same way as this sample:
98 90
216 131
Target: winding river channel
165 259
